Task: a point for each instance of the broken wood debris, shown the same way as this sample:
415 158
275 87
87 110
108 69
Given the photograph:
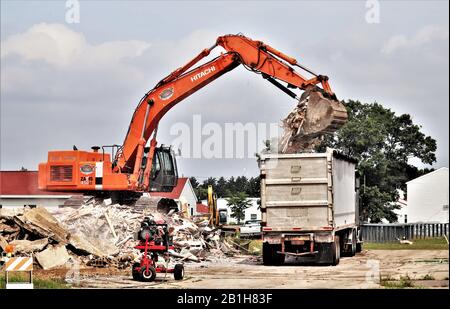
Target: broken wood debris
100 235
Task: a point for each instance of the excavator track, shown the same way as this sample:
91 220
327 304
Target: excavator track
138 202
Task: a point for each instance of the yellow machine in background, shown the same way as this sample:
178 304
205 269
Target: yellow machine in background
218 217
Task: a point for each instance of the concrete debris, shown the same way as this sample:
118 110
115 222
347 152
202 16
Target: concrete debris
98 235
8 229
3 243
83 246
27 246
10 213
40 222
52 257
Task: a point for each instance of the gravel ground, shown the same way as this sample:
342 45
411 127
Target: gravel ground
362 271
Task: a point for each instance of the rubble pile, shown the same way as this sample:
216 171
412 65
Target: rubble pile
103 236
293 140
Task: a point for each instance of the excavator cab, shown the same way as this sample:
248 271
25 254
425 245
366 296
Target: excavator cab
164 174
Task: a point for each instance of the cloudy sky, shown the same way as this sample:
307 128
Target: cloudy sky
78 83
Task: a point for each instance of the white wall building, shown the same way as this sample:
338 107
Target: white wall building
251 213
184 193
427 198
402 216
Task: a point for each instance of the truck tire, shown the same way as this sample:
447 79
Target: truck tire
359 243
270 255
358 247
267 254
336 251
354 243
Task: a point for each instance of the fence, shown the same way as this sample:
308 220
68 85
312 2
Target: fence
393 232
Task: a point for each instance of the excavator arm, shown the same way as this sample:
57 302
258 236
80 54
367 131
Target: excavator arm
127 171
254 55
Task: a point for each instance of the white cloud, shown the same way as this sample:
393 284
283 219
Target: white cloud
58 45
423 36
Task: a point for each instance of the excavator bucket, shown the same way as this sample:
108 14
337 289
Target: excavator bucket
323 115
314 116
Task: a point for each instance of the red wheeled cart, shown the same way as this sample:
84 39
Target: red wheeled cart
154 241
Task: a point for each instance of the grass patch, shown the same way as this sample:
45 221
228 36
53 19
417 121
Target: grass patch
427 277
438 243
38 283
255 247
390 283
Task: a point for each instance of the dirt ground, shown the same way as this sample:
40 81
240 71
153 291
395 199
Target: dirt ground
361 271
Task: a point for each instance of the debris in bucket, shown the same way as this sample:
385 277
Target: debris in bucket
314 116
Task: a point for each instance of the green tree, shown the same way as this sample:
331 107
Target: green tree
194 182
242 184
231 187
383 143
201 192
221 187
238 203
254 187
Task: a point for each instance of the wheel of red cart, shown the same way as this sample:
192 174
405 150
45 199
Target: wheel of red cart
135 271
178 272
149 275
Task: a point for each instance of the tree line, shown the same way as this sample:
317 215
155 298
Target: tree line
382 142
227 187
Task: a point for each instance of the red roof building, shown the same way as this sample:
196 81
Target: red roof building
202 208
176 192
20 188
22 183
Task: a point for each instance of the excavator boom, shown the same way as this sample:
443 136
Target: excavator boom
135 165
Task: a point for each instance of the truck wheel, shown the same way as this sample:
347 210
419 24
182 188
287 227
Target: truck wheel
149 275
135 271
354 243
336 251
178 272
267 254
358 247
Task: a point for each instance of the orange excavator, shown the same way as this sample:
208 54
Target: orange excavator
132 168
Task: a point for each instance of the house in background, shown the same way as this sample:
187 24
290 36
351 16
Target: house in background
251 213
402 217
20 188
183 193
427 198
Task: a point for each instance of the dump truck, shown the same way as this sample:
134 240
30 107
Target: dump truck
310 207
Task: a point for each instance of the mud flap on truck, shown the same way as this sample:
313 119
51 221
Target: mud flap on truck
329 253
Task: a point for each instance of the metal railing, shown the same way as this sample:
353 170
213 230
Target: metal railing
392 232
